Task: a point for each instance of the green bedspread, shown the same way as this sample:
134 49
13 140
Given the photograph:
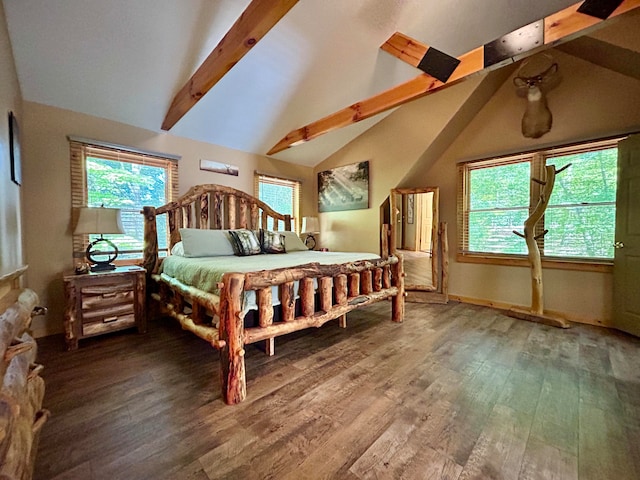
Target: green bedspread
205 273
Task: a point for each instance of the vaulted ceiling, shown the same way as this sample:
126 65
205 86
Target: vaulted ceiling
280 68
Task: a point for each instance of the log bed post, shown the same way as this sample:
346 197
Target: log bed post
377 280
354 285
204 210
175 223
287 301
340 282
187 215
341 292
305 290
231 212
386 277
150 255
243 214
397 280
365 282
234 384
255 213
385 232
216 214
325 291
265 316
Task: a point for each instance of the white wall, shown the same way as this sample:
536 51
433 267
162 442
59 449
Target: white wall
11 250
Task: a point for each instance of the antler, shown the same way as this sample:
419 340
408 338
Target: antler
536 79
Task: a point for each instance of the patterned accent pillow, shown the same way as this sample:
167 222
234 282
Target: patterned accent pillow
272 242
244 242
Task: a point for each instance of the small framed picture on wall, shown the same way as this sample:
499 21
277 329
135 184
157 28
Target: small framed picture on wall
14 150
410 207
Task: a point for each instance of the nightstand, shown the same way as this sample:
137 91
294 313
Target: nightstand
102 302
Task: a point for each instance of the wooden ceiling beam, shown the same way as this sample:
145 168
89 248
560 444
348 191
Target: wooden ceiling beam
393 97
561 26
557 28
405 48
253 24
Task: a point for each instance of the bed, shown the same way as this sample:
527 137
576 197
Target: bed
230 298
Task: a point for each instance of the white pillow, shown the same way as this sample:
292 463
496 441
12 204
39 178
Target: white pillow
178 249
292 242
205 242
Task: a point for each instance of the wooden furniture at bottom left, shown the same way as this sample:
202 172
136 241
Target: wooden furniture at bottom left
22 392
103 302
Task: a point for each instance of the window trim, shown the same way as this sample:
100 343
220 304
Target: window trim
537 160
80 148
547 262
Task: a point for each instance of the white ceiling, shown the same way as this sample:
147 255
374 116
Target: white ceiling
124 60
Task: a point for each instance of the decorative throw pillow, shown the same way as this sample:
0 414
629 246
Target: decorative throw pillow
245 242
292 242
272 242
178 249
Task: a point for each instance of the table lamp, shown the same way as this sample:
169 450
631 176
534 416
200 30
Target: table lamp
100 220
310 227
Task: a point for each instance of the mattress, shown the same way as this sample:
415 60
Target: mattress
204 273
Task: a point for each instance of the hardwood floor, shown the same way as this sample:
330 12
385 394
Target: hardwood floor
417 267
456 392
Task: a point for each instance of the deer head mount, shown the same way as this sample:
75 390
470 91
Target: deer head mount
537 117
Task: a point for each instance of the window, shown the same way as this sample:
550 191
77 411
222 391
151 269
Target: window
496 196
283 195
119 178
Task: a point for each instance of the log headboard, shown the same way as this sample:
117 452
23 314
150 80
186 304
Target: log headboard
208 207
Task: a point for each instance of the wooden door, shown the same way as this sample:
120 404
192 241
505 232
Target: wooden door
626 271
426 222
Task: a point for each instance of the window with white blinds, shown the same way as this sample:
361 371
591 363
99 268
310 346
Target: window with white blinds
119 178
496 196
281 194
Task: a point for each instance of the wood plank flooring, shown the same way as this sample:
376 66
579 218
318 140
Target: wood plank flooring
417 267
456 392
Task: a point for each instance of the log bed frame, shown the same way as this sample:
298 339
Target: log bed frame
341 287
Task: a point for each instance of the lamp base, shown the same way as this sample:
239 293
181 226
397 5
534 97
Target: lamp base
102 267
310 242
100 260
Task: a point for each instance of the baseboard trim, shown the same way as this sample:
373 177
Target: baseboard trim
509 306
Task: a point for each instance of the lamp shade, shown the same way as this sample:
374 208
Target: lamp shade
310 225
99 220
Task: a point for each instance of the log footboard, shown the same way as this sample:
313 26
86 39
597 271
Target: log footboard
341 289
335 298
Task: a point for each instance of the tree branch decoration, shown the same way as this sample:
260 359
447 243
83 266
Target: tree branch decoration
537 304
